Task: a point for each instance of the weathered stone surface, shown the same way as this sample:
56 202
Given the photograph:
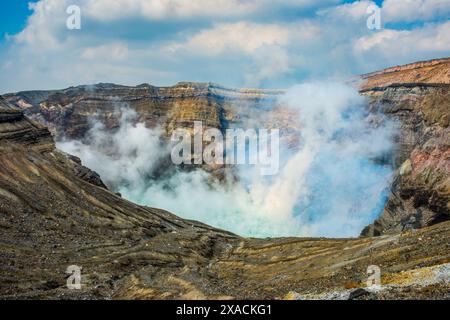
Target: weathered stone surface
68 112
428 72
416 95
51 219
420 193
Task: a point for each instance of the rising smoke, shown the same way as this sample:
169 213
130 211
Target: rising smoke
333 185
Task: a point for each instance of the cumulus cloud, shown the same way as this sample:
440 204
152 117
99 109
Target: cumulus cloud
236 43
349 11
268 63
430 41
182 9
112 10
392 10
241 36
413 10
42 27
264 44
114 51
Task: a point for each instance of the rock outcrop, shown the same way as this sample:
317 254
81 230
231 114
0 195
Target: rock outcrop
68 113
50 219
416 95
424 72
420 193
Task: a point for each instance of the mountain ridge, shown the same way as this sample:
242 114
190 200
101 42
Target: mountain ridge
53 217
420 108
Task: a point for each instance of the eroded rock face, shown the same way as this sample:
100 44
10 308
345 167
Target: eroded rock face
424 72
18 128
68 113
420 193
415 95
50 219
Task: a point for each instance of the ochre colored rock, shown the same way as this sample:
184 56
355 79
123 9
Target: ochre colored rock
415 95
50 219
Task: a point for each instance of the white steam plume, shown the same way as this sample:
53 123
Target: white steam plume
334 185
123 158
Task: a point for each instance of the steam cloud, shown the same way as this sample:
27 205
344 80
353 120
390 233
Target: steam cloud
333 185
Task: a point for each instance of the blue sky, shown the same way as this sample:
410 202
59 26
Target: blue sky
13 14
257 43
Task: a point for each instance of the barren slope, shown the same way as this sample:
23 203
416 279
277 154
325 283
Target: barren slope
425 72
420 193
51 217
416 95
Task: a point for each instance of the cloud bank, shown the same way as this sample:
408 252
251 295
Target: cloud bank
235 43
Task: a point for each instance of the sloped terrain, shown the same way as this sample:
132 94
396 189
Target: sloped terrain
424 72
51 218
415 95
420 193
67 112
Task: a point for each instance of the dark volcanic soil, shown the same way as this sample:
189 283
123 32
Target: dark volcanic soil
55 213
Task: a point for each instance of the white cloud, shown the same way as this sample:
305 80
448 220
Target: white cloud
114 51
367 43
237 43
412 10
157 9
433 38
47 18
392 10
269 62
264 44
241 36
107 10
348 11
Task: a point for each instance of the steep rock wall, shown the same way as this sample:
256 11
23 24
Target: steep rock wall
420 193
416 95
50 219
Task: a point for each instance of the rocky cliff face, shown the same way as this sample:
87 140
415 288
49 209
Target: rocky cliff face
51 218
425 72
416 95
420 194
68 112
